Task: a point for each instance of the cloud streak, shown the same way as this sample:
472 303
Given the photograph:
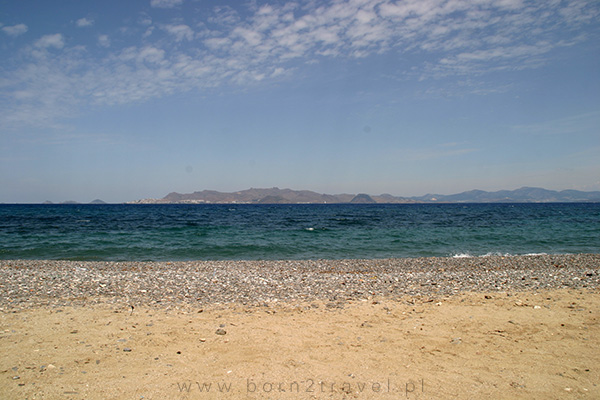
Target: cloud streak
165 3
84 22
15 30
180 32
56 40
458 38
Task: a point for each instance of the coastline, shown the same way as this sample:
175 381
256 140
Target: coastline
424 328
30 283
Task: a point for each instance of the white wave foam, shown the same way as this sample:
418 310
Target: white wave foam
462 255
497 254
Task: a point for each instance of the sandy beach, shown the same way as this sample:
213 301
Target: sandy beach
488 327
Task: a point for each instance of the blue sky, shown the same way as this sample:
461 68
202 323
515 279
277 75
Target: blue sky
122 100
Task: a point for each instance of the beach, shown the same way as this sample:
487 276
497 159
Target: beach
421 328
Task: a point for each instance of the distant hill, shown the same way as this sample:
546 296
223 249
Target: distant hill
362 198
97 201
289 196
522 195
257 196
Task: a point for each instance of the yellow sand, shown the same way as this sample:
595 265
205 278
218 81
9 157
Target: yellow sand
542 345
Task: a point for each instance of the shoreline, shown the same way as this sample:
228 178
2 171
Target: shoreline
430 328
30 283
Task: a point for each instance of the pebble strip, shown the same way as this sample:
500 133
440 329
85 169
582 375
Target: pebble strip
31 283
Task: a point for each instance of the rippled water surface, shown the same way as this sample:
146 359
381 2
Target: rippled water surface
216 232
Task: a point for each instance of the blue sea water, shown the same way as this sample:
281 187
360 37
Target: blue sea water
269 232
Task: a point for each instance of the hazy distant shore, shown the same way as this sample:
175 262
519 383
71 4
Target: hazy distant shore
29 283
289 196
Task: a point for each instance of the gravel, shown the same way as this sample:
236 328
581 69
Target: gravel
31 283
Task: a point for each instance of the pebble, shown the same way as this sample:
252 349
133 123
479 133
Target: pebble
56 283
221 331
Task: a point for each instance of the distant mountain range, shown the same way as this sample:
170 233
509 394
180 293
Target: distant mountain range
97 201
522 195
289 196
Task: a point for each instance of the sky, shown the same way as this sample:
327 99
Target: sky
124 100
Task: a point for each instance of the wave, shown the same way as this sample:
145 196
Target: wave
497 254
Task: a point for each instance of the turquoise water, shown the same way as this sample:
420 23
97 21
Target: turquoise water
218 232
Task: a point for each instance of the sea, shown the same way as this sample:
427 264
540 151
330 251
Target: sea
160 232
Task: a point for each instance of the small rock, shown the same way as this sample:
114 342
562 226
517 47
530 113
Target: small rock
127 349
221 331
456 340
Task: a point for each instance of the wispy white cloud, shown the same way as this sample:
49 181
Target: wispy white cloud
15 30
144 19
104 40
56 40
180 32
224 16
459 38
40 97
467 37
84 22
165 3
148 32
217 44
